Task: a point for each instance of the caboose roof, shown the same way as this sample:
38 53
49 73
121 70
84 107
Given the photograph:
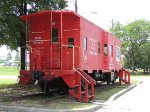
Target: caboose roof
46 13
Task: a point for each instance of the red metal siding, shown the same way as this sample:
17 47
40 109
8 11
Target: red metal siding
59 55
70 30
90 58
39 41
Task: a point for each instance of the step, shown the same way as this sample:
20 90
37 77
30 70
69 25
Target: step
86 99
90 96
76 86
82 93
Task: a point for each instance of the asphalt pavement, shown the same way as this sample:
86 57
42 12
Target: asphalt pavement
136 100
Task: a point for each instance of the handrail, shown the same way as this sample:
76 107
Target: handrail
83 77
87 76
73 57
123 76
72 54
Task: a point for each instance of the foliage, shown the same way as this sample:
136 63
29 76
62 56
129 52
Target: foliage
17 57
9 57
9 20
143 56
39 5
133 36
117 29
1 61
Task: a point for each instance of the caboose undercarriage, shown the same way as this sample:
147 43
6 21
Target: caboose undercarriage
80 84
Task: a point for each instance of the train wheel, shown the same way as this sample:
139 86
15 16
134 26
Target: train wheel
44 86
114 81
108 82
115 77
108 78
63 91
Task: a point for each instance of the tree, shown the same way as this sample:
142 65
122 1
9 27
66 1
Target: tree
143 57
117 29
9 57
17 57
12 30
132 36
39 5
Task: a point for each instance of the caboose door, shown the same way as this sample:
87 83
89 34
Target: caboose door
69 49
105 51
55 49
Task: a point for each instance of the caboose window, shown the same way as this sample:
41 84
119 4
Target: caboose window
99 48
117 53
111 50
105 49
70 42
85 43
55 35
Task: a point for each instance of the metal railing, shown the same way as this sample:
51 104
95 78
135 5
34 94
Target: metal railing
73 53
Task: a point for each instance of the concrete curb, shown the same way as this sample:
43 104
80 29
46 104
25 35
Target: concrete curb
5 108
93 108
117 95
120 93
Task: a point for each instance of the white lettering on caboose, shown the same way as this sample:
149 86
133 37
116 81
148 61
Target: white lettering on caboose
93 46
37 40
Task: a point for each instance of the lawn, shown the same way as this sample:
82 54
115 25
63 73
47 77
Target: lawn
9 70
6 83
106 91
136 78
9 87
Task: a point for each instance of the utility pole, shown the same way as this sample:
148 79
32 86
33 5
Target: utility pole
112 22
76 6
112 25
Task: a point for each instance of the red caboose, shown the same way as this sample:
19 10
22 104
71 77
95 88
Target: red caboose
66 51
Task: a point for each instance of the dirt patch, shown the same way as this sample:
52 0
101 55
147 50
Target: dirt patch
8 97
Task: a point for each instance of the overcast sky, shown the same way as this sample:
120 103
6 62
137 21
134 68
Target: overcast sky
124 11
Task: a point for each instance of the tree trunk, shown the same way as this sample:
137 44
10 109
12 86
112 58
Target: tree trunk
133 69
132 56
144 71
23 11
23 41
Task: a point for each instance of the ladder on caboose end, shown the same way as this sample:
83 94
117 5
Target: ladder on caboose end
124 76
84 88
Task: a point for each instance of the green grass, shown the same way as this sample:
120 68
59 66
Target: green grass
102 93
6 83
139 77
107 91
9 70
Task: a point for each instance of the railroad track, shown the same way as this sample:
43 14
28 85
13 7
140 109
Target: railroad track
52 95
49 96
